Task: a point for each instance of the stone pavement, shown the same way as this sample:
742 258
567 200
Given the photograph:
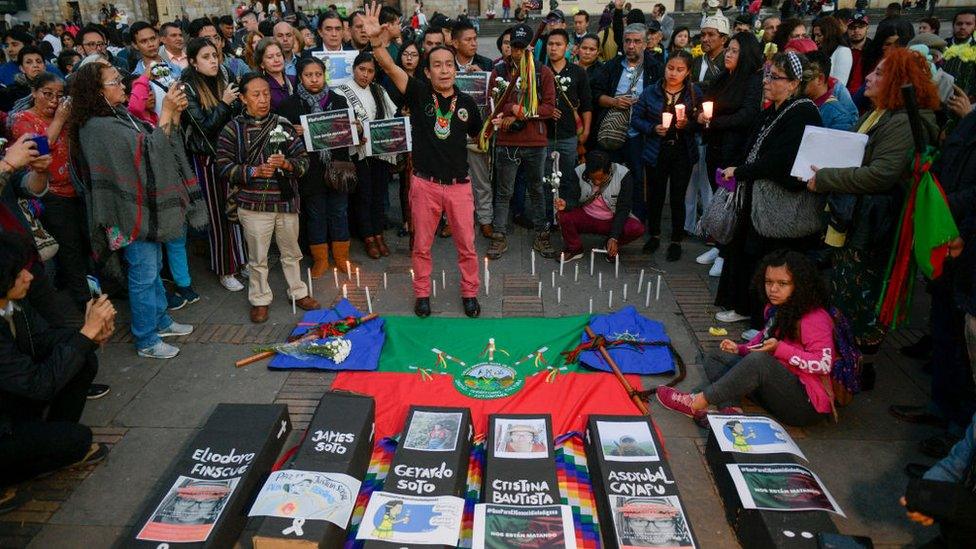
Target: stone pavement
155 406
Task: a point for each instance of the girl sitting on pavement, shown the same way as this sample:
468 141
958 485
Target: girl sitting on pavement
786 367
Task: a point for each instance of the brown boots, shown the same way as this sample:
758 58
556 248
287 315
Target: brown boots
372 247
340 253
320 254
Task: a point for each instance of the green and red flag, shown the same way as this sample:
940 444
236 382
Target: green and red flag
934 226
490 365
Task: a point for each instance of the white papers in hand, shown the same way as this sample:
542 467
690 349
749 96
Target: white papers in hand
826 148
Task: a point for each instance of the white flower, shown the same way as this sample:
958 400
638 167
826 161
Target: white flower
340 347
160 70
278 135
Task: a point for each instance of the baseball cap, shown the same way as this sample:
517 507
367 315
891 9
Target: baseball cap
554 16
654 25
521 36
858 20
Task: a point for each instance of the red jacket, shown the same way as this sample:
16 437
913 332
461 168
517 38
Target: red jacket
534 134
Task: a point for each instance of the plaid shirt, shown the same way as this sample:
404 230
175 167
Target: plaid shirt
236 144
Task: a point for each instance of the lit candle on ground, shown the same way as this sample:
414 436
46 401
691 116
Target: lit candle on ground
533 262
625 292
576 273
369 301
345 292
554 279
599 280
348 269
357 277
559 295
335 276
616 266
384 280
647 300
666 119
562 262
309 270
610 302
657 291
591 305
640 281
443 279
411 275
293 310
679 111
540 290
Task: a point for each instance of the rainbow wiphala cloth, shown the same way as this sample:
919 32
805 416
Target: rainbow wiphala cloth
571 470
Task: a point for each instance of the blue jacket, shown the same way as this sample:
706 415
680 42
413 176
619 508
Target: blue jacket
839 111
647 114
10 69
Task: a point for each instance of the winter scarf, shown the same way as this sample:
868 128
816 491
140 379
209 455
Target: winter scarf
316 103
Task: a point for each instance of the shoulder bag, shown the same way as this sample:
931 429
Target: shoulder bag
613 128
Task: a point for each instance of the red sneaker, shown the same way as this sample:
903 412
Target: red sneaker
675 400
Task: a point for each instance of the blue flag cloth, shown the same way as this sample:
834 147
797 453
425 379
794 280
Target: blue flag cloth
367 342
628 325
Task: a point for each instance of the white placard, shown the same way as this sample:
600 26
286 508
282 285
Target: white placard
338 65
826 148
752 435
415 520
307 495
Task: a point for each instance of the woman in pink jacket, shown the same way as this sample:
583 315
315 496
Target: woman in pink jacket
786 367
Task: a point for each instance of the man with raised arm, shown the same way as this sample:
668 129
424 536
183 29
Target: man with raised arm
441 118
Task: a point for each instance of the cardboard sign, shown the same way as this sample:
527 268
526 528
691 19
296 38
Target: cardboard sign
474 84
200 501
518 527
520 467
338 65
637 497
388 136
311 500
752 435
329 130
401 520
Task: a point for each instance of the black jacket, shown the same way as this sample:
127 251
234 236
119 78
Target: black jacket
605 82
39 361
725 145
203 126
777 152
293 107
956 171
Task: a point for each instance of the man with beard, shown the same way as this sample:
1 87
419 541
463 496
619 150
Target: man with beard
521 139
857 39
441 119
714 35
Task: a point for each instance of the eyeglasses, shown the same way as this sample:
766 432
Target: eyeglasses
113 83
411 54
50 95
94 44
776 77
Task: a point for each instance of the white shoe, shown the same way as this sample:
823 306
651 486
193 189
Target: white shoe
716 269
160 350
730 316
176 329
749 334
708 257
231 283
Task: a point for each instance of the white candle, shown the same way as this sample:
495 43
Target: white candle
335 276
443 279
679 111
562 262
625 292
369 301
599 280
576 273
591 305
411 275
293 310
657 291
345 293
533 261
707 109
348 269
357 277
592 256
559 295
309 270
640 281
616 266
487 282
554 279
539 293
384 280
666 119
433 286
610 302
647 300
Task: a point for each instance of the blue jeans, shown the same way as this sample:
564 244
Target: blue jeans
147 299
566 148
326 218
507 162
178 267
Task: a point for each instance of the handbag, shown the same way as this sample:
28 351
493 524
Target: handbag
721 216
613 128
778 212
47 246
341 176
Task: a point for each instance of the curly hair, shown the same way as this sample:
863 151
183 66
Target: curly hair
903 66
248 50
832 32
87 101
809 291
785 29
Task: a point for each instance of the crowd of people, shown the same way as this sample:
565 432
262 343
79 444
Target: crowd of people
616 118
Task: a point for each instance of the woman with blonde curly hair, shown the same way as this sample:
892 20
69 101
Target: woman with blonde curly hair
251 40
